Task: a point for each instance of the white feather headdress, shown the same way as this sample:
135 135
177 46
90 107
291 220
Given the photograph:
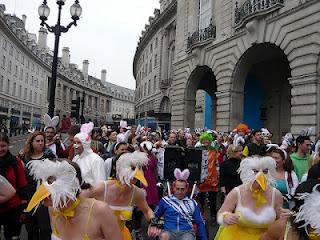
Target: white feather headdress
63 186
309 212
248 165
127 164
50 122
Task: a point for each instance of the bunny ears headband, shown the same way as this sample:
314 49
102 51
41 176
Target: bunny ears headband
50 122
269 146
182 176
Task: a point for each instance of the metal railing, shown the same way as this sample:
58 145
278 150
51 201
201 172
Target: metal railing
250 7
202 35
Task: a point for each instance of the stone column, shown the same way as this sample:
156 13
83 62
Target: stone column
304 105
223 111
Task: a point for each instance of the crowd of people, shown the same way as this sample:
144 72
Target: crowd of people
101 181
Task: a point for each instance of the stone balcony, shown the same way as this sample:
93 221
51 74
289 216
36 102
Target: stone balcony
165 83
201 36
255 8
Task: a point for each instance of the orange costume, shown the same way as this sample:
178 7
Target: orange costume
211 182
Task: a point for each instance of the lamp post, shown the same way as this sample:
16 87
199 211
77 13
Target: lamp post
44 11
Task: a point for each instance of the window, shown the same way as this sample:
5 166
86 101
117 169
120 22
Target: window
16 71
27 77
155 61
14 89
149 86
30 96
3 62
1 83
150 66
17 55
156 43
8 86
20 91
11 50
31 83
4 44
35 97
204 13
21 74
150 48
10 66
40 98
22 59
145 89
25 94
32 69
155 84
28 64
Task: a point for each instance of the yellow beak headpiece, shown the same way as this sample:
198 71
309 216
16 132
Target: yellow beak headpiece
58 179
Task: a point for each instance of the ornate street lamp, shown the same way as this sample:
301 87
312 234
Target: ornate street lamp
44 11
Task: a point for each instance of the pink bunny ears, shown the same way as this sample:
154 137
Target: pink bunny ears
86 128
183 176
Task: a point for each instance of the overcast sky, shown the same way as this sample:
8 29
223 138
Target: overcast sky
106 35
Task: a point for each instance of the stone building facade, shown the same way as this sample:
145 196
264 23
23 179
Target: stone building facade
25 68
257 59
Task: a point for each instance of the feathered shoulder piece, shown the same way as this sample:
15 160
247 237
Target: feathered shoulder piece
184 175
309 212
51 122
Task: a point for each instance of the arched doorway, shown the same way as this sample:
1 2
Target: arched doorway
200 102
261 78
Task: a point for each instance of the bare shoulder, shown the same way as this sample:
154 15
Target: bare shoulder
139 193
95 191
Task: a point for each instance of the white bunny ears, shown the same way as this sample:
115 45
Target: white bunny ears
123 124
271 145
146 145
87 128
50 122
184 175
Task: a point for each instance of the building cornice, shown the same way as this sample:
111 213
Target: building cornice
163 18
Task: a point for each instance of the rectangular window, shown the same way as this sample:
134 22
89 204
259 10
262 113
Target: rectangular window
16 71
30 96
21 74
27 77
156 42
149 86
11 50
25 94
8 86
1 83
4 44
10 67
155 61
205 13
31 83
35 97
20 91
14 89
22 59
3 62
155 84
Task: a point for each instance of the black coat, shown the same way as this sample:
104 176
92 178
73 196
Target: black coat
229 177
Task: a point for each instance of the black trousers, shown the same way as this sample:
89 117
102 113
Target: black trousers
212 202
38 225
11 223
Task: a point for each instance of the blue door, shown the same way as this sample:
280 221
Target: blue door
253 100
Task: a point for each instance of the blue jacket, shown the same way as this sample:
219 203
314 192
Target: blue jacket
180 214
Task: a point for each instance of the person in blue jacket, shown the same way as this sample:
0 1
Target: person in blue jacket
180 212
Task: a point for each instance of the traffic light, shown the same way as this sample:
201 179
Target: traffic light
75 108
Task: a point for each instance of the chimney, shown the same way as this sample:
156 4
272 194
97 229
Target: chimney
103 75
66 57
42 41
85 69
24 19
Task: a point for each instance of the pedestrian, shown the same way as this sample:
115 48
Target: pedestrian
37 224
11 174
